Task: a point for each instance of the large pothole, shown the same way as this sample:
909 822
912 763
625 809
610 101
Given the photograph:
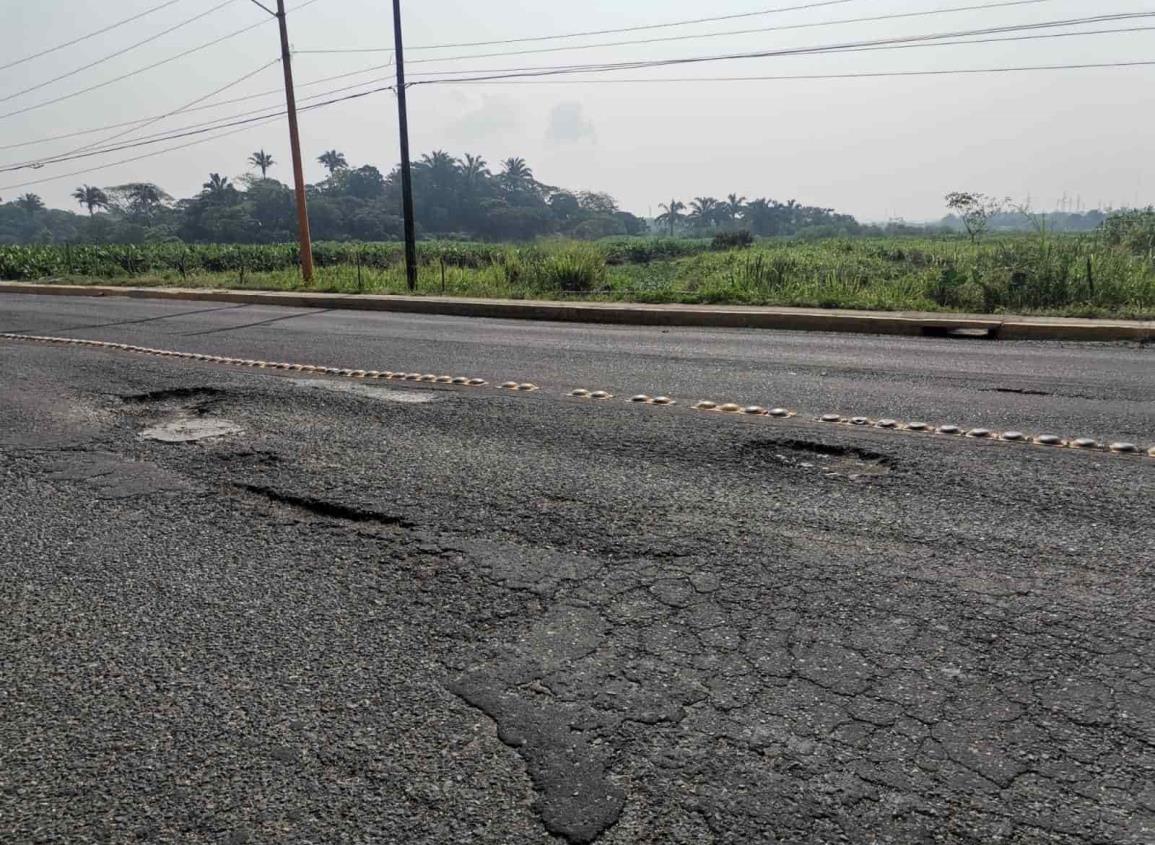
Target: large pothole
190 430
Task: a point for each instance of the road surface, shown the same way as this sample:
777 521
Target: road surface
396 612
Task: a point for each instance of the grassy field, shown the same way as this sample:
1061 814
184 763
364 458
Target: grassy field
1044 274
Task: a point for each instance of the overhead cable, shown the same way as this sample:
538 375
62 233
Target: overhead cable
690 37
242 121
806 76
268 118
545 70
153 154
115 54
92 34
146 68
454 75
641 28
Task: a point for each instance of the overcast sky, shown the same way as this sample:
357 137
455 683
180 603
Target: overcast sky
875 147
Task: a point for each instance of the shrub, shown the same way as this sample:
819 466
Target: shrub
740 239
576 269
1133 230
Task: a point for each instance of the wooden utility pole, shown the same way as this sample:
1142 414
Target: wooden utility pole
303 234
406 176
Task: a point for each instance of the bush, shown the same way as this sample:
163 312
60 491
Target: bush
576 269
732 240
620 251
1133 230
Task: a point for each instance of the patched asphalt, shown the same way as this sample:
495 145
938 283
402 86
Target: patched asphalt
505 618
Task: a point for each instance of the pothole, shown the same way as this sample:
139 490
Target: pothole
170 412
173 394
831 459
190 430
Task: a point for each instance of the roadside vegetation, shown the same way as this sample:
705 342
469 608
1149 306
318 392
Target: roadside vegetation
501 232
462 199
1108 273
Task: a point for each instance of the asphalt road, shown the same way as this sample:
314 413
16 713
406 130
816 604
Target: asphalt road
386 612
1105 391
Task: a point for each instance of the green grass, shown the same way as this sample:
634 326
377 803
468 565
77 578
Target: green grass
1035 274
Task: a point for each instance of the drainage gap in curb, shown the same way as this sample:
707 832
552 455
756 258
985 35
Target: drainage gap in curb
966 333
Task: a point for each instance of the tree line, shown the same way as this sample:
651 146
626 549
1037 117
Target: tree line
462 198
762 217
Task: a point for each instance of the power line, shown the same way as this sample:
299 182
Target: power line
669 38
241 126
116 54
812 76
501 74
518 73
126 160
250 117
546 70
176 111
152 66
236 126
133 73
652 26
241 121
220 122
455 75
93 34
136 126
218 104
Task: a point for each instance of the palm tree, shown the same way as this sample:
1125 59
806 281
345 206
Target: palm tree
759 214
671 214
30 203
333 161
141 198
733 207
704 211
91 198
441 167
515 172
473 169
217 186
262 160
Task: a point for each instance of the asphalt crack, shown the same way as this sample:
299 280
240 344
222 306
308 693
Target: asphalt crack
1020 391
325 508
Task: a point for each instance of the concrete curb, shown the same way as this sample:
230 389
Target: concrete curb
701 316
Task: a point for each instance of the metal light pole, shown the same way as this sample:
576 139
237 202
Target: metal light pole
406 175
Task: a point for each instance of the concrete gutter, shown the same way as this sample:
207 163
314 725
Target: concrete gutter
703 316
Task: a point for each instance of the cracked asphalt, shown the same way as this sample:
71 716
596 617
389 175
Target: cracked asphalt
426 614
